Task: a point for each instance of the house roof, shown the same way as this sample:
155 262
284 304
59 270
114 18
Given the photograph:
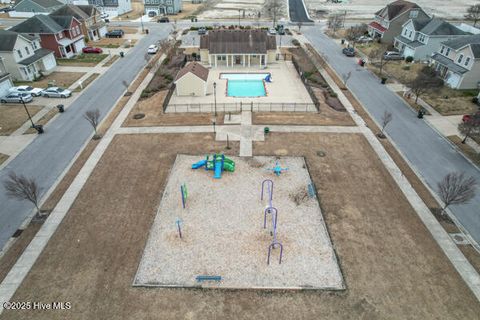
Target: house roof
71 10
238 41
452 66
9 38
89 10
408 42
473 41
64 21
438 26
195 68
39 23
44 3
39 54
377 26
396 8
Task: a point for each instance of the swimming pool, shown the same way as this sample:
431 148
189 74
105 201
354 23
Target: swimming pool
245 84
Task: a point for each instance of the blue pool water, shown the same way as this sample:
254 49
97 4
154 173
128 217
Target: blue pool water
245 84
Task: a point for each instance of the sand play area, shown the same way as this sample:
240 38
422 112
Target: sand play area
223 235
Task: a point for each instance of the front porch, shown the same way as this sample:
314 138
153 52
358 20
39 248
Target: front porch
238 60
38 64
69 48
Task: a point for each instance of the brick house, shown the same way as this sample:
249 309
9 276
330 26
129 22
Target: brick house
92 25
61 34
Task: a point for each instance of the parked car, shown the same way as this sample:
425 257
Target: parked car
56 92
92 50
364 39
7 9
349 51
472 117
152 49
272 31
36 92
104 15
392 55
163 20
202 30
16 98
117 33
280 29
152 14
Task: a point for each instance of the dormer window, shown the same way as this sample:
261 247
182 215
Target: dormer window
410 34
413 14
448 52
467 61
442 49
405 32
460 58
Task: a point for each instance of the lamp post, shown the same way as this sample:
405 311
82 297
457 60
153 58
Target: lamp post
141 22
239 18
29 116
215 98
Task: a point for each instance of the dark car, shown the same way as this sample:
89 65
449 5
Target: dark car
7 9
202 31
92 50
349 52
152 14
117 33
163 20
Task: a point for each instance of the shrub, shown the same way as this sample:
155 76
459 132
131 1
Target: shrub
296 43
475 100
409 59
333 94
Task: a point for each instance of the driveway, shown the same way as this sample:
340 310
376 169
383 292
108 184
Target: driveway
429 153
49 154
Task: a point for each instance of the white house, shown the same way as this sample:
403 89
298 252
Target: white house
29 8
192 80
162 7
420 38
458 62
23 57
5 80
112 7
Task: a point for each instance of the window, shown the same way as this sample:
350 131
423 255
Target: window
448 52
405 32
19 54
410 34
169 1
460 58
442 49
421 38
27 51
467 61
78 29
413 13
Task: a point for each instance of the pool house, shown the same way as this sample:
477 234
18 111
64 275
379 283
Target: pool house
238 48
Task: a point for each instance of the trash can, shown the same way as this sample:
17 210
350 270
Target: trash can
266 130
343 41
421 113
61 108
39 128
384 80
146 31
122 54
361 62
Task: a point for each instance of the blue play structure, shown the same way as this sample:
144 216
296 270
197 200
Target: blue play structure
278 169
268 78
218 164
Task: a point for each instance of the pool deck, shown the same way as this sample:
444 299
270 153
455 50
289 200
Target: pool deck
286 87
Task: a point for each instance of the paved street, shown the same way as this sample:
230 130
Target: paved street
297 11
49 154
429 153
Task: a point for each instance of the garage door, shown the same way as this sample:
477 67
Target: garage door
4 86
79 46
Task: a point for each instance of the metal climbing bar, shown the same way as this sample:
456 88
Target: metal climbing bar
272 246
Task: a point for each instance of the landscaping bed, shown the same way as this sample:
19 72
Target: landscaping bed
86 82
83 60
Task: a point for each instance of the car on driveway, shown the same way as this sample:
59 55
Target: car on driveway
56 92
104 15
349 51
117 33
152 49
272 31
202 31
364 39
392 55
16 98
163 20
92 50
36 92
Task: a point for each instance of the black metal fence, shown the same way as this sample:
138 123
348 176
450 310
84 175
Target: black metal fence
240 106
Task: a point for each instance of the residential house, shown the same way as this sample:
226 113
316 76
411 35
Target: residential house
29 8
458 62
192 80
112 7
388 21
23 57
61 34
5 80
420 38
162 7
238 47
93 27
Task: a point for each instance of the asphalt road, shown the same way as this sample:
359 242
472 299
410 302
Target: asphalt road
297 11
50 153
429 152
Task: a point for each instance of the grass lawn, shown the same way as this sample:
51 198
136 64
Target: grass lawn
59 79
3 158
83 60
127 30
13 116
109 42
450 102
87 81
137 12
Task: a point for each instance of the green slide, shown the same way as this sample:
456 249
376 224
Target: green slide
229 165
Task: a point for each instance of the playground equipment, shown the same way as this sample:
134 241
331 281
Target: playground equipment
218 164
183 190
278 169
273 246
274 213
179 228
268 78
208 278
269 184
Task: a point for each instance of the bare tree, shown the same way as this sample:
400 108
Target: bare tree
334 22
376 55
455 188
275 8
470 128
473 13
425 81
346 77
355 32
22 188
93 117
386 119
299 25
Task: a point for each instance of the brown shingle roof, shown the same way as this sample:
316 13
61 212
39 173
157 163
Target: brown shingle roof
238 41
396 8
195 68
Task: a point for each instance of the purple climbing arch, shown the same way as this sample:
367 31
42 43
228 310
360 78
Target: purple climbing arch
269 190
272 211
272 246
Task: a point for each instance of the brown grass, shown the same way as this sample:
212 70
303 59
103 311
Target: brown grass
137 12
326 117
468 151
43 120
86 82
188 9
61 79
111 61
127 30
109 42
450 102
3 158
14 116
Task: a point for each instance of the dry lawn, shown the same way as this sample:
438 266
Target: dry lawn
60 79
87 81
83 60
326 117
109 42
137 12
43 120
3 158
13 116
189 9
112 60
450 102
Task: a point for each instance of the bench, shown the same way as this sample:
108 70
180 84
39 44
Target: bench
208 278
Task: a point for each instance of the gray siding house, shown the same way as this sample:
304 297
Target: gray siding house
162 7
29 8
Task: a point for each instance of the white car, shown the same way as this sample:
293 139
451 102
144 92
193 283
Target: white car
16 98
272 31
56 92
364 39
36 92
152 49
104 15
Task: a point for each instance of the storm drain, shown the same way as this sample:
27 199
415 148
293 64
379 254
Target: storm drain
459 238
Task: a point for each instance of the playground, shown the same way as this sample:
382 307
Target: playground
220 233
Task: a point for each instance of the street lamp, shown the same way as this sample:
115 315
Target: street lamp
239 18
215 97
141 22
28 113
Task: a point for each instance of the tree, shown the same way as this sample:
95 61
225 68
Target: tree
93 117
376 55
345 77
455 188
355 32
334 22
425 81
386 118
473 13
471 127
275 8
22 188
